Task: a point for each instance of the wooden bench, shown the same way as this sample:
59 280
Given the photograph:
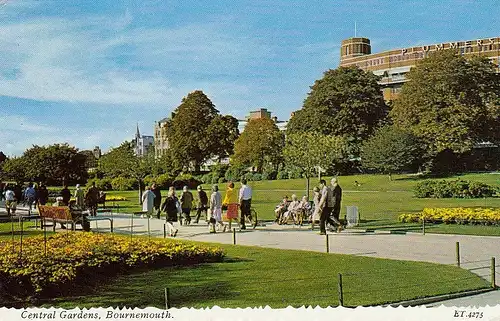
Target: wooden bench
60 214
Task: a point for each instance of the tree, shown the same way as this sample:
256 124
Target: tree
390 150
54 164
14 169
261 142
346 102
308 151
450 103
122 161
197 132
223 131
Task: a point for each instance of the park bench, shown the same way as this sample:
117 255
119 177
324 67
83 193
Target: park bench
60 214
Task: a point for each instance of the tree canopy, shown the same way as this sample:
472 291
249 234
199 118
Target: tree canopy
53 164
308 151
261 142
390 150
451 103
197 132
346 102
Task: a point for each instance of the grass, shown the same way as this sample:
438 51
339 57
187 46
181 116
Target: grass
379 200
252 277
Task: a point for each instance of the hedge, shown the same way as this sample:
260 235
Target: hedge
452 189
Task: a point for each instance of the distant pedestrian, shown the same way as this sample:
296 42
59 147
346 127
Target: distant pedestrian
157 203
148 199
79 197
216 208
169 206
245 200
66 195
92 197
336 199
315 217
43 194
202 204
325 207
29 196
186 205
10 200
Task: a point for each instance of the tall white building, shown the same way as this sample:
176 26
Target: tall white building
142 143
160 139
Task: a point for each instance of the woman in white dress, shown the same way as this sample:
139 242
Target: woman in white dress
216 207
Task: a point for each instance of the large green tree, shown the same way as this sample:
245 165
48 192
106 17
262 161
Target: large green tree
54 164
347 101
260 142
450 102
314 151
390 150
14 168
197 132
122 161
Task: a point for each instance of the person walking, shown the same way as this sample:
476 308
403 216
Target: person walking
186 205
10 200
79 197
92 197
216 208
148 199
230 202
29 196
316 211
169 206
43 194
245 201
157 202
66 195
336 199
202 204
325 206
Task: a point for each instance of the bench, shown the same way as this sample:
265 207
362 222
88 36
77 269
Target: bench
61 214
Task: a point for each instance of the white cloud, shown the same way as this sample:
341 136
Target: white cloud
22 124
100 61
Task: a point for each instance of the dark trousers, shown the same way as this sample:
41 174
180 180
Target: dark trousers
324 218
203 209
245 210
157 208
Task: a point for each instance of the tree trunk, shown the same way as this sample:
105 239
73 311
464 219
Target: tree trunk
390 177
308 184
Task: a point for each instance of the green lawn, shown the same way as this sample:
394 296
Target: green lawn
379 200
252 276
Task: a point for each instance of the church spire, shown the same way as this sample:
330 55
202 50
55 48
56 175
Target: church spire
137 134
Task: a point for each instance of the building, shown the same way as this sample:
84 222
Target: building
160 137
393 65
142 143
259 114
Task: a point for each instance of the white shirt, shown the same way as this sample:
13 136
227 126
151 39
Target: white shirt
9 195
245 193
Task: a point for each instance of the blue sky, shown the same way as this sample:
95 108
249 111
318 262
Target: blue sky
85 72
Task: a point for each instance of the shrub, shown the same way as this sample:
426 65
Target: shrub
221 180
257 177
75 256
269 175
234 173
186 180
248 176
215 178
103 184
455 189
282 175
124 184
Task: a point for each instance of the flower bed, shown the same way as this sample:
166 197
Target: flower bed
459 215
115 198
81 257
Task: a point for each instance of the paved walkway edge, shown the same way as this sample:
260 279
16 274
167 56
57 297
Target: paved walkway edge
439 298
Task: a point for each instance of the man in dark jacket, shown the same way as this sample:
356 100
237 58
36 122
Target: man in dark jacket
157 201
66 195
92 197
43 194
336 201
202 204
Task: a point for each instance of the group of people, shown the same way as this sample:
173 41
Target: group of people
32 195
179 208
327 203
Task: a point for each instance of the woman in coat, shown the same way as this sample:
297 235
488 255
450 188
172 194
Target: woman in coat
170 207
79 197
148 199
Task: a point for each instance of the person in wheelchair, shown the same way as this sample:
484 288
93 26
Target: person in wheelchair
280 209
294 211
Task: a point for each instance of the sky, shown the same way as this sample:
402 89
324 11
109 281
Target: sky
87 72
